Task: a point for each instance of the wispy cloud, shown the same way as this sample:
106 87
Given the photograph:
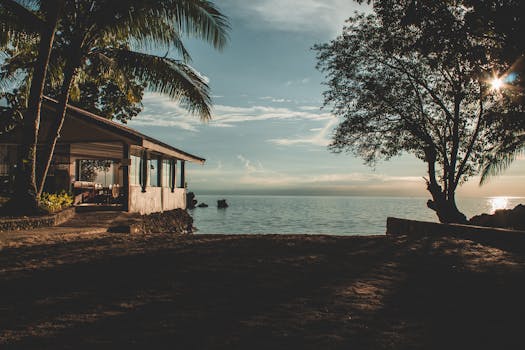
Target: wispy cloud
250 168
297 82
159 110
319 138
275 99
296 15
275 179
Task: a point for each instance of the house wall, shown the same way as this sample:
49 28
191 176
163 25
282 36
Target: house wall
155 199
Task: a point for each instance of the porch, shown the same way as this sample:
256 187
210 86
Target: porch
105 164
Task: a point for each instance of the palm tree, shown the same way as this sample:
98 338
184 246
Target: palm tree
502 157
21 19
105 30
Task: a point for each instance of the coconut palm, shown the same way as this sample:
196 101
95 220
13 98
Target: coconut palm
22 20
104 31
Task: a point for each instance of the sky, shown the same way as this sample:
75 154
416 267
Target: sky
269 134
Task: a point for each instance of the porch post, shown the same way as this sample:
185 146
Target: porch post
145 170
173 183
182 174
160 171
126 158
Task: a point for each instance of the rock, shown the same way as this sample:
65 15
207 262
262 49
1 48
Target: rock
190 200
221 203
203 205
504 218
176 221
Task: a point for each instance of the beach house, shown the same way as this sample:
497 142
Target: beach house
104 163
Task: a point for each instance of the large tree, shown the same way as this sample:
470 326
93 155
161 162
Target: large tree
397 93
98 29
21 21
498 26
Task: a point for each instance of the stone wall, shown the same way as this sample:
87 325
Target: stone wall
396 226
176 221
28 223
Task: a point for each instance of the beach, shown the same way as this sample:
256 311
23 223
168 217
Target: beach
110 291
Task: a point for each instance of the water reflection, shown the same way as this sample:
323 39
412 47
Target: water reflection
497 203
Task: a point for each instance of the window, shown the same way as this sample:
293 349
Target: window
153 166
167 166
97 171
135 171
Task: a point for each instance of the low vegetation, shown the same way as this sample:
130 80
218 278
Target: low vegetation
55 202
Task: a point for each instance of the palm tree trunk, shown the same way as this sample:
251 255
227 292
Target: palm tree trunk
70 73
26 194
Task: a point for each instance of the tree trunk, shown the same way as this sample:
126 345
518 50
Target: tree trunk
26 195
445 208
442 202
56 126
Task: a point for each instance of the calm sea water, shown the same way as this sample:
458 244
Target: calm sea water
323 215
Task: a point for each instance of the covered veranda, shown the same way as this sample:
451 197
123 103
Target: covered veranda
106 164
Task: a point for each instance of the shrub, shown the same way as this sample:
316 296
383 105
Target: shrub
54 202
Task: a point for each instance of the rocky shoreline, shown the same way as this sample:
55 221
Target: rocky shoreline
504 218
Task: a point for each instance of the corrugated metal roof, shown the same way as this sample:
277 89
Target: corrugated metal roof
121 129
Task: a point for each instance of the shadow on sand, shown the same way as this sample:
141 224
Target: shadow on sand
260 292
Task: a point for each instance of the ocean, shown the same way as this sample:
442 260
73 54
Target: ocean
323 215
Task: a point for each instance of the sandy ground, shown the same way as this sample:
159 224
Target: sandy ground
108 291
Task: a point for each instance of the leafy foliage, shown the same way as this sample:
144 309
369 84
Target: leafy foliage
420 89
11 113
492 30
54 202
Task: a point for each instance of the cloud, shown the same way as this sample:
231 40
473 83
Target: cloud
297 82
275 179
275 100
248 165
325 16
321 138
310 108
159 110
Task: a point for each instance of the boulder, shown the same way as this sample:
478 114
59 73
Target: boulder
190 200
221 203
504 218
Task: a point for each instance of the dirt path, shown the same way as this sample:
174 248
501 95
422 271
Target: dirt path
261 292
89 224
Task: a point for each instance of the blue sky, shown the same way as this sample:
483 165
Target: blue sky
269 134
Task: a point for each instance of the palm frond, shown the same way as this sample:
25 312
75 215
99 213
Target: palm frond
18 16
502 158
168 76
201 19
165 20
146 32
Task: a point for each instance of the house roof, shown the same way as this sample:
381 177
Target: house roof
144 140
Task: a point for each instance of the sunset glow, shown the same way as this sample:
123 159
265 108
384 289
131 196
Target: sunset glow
498 203
496 83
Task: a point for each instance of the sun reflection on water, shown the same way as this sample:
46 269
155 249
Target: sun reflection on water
497 203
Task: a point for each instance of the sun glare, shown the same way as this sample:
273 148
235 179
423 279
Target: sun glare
498 203
496 83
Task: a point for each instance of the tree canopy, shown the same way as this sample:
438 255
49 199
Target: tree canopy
421 88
